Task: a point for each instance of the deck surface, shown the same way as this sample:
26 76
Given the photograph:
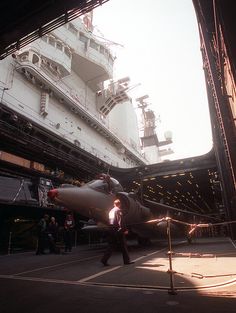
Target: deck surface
203 279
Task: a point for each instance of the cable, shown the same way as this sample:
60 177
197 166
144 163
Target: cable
19 190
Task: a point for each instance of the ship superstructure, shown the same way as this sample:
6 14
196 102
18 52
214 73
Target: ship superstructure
64 117
62 76
150 142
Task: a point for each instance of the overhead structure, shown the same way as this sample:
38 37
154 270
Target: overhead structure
190 184
22 22
217 29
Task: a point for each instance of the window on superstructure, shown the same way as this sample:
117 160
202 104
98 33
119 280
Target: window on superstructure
102 50
51 41
67 52
94 45
110 60
24 56
59 45
72 29
45 38
83 38
35 59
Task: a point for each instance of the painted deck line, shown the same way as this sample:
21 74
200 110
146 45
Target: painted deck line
126 286
56 265
98 274
85 279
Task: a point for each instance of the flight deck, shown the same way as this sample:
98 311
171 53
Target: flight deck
202 279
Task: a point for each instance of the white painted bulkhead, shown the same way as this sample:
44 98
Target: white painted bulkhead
24 97
122 120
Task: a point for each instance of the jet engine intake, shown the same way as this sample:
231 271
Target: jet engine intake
133 211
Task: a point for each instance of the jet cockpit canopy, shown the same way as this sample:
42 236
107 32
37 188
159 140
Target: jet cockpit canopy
105 184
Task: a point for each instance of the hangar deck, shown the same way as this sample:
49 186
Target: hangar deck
204 275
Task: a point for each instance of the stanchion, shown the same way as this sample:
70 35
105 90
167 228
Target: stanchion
193 228
75 243
170 271
9 244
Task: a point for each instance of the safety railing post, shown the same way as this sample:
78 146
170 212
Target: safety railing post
9 243
170 271
75 243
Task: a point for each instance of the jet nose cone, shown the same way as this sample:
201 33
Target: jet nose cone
52 194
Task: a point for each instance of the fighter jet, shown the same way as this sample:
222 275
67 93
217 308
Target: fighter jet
94 200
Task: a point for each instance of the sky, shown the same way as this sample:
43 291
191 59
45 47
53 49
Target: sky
157 45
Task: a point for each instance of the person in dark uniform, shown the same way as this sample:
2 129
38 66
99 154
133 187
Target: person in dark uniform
42 232
68 229
53 234
116 234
